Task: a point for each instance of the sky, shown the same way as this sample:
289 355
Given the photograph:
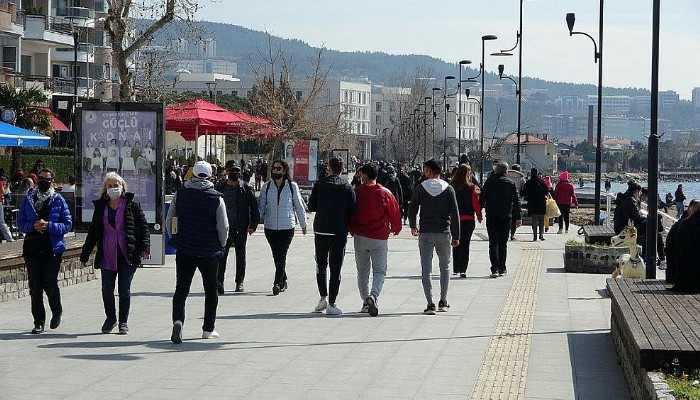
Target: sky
451 30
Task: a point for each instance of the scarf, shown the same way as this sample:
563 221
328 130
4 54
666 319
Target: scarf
114 239
41 198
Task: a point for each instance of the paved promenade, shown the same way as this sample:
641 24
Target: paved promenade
537 333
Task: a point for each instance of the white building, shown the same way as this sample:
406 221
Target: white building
208 66
696 98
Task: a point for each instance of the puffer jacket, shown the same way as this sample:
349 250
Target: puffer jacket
135 229
278 206
518 179
60 220
564 194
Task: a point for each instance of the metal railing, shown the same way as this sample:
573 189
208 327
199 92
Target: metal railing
75 12
51 24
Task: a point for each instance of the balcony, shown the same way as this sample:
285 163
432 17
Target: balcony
52 30
75 12
86 53
8 19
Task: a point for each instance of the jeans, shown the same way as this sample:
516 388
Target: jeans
238 240
537 220
109 278
4 229
565 216
680 208
370 253
441 243
497 229
185 266
279 241
330 251
42 271
460 254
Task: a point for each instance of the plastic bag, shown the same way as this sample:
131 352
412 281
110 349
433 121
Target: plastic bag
552 209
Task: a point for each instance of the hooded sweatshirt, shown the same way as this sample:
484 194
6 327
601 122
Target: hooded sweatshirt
438 208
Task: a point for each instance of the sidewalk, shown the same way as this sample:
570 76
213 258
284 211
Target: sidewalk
536 333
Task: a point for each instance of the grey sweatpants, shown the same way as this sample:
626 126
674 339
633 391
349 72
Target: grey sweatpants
370 253
441 243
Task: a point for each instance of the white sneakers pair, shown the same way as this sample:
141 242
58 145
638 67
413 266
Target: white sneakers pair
176 336
330 309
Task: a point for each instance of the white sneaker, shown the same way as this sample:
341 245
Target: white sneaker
333 310
322 305
662 264
176 336
364 309
210 335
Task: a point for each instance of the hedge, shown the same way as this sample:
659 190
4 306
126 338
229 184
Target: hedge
63 166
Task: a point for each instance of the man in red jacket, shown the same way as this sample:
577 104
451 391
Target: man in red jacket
377 214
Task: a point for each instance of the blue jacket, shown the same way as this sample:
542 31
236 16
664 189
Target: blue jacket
277 207
60 221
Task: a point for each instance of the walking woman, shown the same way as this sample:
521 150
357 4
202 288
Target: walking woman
536 192
119 230
280 200
565 196
468 203
45 218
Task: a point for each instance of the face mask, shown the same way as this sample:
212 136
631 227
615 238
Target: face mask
234 176
276 175
114 193
44 185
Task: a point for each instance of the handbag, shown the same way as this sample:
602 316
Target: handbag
552 209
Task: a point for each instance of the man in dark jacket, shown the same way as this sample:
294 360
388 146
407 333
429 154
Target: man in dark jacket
406 191
536 192
629 210
393 184
687 253
439 222
499 197
670 248
680 198
243 219
333 201
198 229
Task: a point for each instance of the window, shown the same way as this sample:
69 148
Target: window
219 93
235 93
392 106
392 119
299 95
378 119
378 107
9 57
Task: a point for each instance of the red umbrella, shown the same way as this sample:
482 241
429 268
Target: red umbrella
195 116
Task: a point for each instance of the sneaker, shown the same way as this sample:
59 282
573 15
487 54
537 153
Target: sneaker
55 321
38 328
220 290
462 276
534 239
333 310
123 328
546 229
430 310
372 306
275 290
210 335
503 273
284 287
443 306
541 237
364 309
662 264
494 275
566 231
176 336
512 238
239 288
108 326
322 305
559 232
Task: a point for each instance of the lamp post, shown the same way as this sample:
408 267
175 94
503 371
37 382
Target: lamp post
481 103
501 67
653 167
434 114
425 127
459 107
598 53
444 122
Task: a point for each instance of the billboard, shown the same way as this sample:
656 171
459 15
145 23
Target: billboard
126 138
302 157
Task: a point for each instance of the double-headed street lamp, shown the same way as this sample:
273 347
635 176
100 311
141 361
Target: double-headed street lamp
501 67
481 103
459 107
598 53
446 106
467 92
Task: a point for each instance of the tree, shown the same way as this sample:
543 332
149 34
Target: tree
25 103
125 38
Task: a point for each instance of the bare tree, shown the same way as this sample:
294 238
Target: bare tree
126 39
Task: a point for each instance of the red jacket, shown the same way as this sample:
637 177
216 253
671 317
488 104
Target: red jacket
564 194
377 212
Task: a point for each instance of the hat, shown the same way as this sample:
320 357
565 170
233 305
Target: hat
202 169
232 166
390 170
564 176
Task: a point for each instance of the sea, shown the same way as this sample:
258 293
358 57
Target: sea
690 189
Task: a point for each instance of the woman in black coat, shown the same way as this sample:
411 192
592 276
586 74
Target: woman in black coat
119 230
536 193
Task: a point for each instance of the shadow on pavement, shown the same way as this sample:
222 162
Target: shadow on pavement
44 336
311 315
556 270
594 367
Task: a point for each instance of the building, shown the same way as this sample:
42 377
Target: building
207 66
569 104
696 98
612 104
536 151
390 105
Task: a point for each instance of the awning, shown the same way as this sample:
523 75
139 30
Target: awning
13 136
56 124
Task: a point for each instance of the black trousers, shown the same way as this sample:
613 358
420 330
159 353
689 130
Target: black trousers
109 280
279 241
237 239
537 220
512 227
42 271
660 248
565 216
497 229
185 266
330 251
460 254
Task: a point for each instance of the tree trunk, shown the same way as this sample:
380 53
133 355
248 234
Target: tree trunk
16 161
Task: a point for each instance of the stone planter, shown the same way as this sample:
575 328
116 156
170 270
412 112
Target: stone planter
591 259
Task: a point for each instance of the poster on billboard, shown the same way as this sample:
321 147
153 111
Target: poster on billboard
302 157
343 154
126 138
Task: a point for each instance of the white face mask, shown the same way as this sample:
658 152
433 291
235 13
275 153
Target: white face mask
114 193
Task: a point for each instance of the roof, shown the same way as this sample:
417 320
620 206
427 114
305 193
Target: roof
526 138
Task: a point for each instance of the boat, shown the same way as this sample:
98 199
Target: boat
586 195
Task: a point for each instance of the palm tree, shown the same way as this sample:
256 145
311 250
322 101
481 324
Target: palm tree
25 103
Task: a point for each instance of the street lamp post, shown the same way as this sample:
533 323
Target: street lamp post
481 103
598 52
653 167
425 127
444 122
434 114
459 107
467 92
501 67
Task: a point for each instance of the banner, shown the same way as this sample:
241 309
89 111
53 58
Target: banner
302 157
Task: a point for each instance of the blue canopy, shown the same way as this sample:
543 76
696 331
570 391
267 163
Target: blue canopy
14 136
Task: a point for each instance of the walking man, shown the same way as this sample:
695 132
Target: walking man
377 214
243 218
198 229
499 197
439 222
333 201
680 198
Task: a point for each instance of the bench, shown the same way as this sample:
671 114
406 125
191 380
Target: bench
600 234
651 327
